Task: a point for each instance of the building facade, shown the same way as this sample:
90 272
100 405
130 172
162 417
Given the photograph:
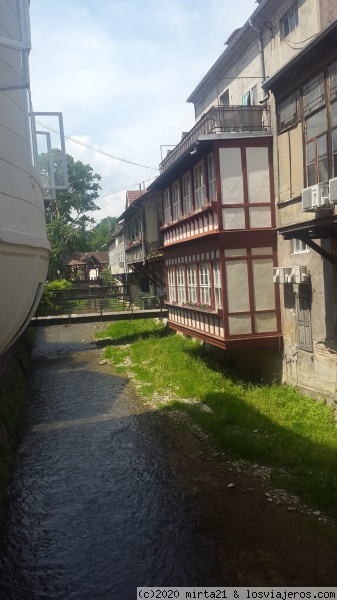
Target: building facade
305 93
136 255
222 197
219 231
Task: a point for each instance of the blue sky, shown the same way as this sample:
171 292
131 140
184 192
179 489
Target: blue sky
120 72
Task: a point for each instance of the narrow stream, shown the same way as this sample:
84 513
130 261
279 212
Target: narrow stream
94 510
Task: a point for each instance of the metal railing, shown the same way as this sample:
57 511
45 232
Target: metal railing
221 119
100 304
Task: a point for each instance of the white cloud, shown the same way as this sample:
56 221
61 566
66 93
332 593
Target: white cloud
121 71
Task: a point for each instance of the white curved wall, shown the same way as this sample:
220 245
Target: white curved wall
24 248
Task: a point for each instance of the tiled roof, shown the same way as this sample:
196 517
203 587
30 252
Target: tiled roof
132 195
82 258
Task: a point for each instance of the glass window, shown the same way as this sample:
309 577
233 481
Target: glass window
313 94
205 284
288 112
192 283
334 114
167 207
333 80
316 125
176 201
217 285
322 158
199 186
172 285
181 285
224 98
334 153
290 21
187 194
253 96
316 148
211 177
299 247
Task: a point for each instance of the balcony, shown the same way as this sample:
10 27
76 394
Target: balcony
221 119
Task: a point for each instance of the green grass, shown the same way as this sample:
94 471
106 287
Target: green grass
271 425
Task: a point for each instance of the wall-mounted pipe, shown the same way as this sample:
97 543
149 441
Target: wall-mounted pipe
263 69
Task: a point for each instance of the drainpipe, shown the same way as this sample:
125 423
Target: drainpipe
263 70
142 233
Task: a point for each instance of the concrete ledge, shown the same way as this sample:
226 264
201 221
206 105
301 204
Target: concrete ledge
97 317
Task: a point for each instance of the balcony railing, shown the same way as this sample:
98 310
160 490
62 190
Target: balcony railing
221 119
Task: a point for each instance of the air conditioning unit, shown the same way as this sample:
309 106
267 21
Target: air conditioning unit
315 197
279 275
296 275
333 190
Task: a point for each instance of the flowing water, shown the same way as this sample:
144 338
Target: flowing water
94 509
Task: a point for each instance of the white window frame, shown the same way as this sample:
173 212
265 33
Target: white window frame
217 285
167 206
60 132
205 284
224 98
199 185
192 287
211 177
250 97
299 247
171 285
286 23
176 201
187 193
181 285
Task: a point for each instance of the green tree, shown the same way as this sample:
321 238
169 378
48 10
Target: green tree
67 218
101 233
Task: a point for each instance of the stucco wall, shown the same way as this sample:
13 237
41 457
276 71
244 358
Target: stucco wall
245 73
314 372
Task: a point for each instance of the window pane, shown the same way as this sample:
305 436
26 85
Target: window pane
311 171
334 150
217 285
288 111
322 148
205 284
334 114
333 80
310 153
313 94
292 21
176 201
316 125
323 170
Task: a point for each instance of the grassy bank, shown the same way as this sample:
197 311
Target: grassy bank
13 388
271 425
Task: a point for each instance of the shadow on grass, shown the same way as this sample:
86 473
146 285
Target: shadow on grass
300 465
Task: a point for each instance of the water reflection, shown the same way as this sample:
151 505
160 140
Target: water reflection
93 508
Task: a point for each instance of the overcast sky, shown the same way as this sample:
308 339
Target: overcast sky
120 72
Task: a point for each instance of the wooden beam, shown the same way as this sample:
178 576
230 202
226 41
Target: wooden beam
310 242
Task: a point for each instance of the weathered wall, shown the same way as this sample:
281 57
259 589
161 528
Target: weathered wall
245 72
